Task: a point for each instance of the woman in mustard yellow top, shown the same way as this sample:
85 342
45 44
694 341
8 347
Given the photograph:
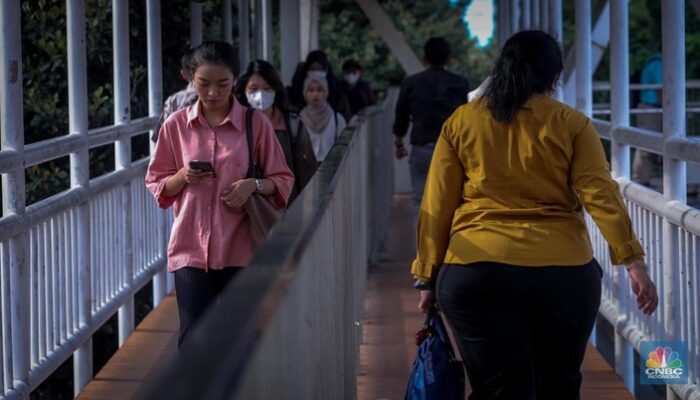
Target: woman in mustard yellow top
502 219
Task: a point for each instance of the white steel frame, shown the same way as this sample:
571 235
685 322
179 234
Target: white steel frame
71 261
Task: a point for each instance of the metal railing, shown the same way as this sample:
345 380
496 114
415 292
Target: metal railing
71 261
667 227
289 325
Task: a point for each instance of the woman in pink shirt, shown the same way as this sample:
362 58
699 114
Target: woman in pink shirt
199 167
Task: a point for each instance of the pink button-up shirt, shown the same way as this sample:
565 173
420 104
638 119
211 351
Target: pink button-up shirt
207 233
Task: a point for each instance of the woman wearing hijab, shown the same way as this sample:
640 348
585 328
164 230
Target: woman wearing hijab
322 122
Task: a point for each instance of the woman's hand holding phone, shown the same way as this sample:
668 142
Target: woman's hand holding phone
196 171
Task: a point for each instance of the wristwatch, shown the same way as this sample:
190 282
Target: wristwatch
258 185
422 285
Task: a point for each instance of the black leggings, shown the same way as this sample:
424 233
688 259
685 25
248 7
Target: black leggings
522 331
195 289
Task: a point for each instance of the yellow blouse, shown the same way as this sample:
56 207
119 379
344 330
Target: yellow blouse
513 193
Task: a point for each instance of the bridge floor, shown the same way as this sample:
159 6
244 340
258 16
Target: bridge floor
392 318
152 345
390 321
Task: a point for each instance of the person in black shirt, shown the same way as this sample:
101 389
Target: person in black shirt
426 100
357 91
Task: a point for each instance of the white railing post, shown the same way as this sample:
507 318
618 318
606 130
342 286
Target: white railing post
555 29
196 30
619 99
13 199
155 107
266 34
122 158
243 31
525 10
514 17
290 38
544 15
674 181
535 14
584 73
80 177
619 84
227 22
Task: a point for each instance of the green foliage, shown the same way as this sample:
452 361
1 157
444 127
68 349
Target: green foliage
45 73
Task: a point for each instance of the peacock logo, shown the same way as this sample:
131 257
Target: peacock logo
664 357
665 363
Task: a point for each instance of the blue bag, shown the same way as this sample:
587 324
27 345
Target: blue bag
436 374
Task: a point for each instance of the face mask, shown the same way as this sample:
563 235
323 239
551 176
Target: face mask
261 99
352 78
317 74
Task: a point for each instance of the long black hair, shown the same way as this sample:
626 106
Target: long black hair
530 62
215 52
270 75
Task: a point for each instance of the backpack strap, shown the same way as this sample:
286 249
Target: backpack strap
249 139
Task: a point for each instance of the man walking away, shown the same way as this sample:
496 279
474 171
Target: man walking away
426 100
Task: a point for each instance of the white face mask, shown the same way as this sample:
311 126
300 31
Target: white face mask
352 78
261 99
317 74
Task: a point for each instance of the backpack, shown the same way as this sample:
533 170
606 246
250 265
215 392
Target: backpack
436 374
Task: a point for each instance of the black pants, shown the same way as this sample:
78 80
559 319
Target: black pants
522 331
195 289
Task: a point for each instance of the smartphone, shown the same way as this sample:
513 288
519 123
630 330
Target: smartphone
202 166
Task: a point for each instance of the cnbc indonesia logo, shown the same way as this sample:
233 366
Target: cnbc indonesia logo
664 364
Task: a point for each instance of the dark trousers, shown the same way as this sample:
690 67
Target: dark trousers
195 289
522 331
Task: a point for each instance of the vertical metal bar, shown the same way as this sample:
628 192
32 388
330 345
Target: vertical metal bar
196 31
525 9
244 31
555 29
80 176
514 16
619 94
535 14
48 294
66 276
34 295
6 327
313 26
155 60
227 22
256 28
544 15
267 35
673 48
56 281
122 115
41 304
582 43
155 104
619 83
13 193
290 37
695 281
